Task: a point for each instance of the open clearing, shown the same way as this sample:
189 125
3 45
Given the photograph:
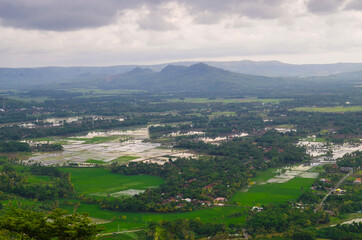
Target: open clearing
329 109
101 182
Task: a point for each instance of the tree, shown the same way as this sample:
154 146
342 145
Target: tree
58 225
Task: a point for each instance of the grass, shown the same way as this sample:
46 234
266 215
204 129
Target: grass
329 109
124 159
102 181
273 192
95 161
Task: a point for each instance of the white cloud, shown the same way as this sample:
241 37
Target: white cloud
175 31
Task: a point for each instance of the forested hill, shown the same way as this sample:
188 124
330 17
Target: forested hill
197 77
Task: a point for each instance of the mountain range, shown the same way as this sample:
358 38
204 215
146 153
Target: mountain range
186 76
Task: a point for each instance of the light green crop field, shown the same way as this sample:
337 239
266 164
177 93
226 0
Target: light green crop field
94 179
96 140
124 159
222 100
273 192
95 161
329 109
99 180
137 220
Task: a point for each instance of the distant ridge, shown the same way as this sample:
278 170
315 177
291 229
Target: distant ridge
197 77
25 78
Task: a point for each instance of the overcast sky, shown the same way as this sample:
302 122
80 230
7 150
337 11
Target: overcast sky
114 32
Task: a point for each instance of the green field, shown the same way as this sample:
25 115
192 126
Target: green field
97 140
329 109
222 100
138 220
95 161
257 194
124 159
273 192
101 181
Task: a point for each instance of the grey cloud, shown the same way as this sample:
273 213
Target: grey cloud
68 15
211 11
324 6
354 5
63 15
155 22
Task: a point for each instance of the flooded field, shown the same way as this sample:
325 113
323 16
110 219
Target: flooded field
58 121
220 139
78 151
324 152
286 174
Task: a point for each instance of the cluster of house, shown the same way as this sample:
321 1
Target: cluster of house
357 181
339 191
219 201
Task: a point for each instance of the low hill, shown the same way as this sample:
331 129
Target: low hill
197 77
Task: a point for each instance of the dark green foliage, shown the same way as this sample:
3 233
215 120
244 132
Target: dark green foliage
8 147
309 198
280 218
304 235
351 160
183 229
13 182
58 224
342 232
47 148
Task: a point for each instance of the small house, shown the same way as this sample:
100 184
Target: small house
220 199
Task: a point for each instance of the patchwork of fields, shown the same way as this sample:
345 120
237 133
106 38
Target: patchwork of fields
102 182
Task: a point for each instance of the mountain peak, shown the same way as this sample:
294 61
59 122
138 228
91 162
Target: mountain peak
172 68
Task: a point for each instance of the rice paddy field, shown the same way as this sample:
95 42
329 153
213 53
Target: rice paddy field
102 182
138 220
273 192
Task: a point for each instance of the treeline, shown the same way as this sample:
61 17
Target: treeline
9 147
343 123
271 149
17 133
342 232
182 229
58 186
284 217
351 160
47 148
16 223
